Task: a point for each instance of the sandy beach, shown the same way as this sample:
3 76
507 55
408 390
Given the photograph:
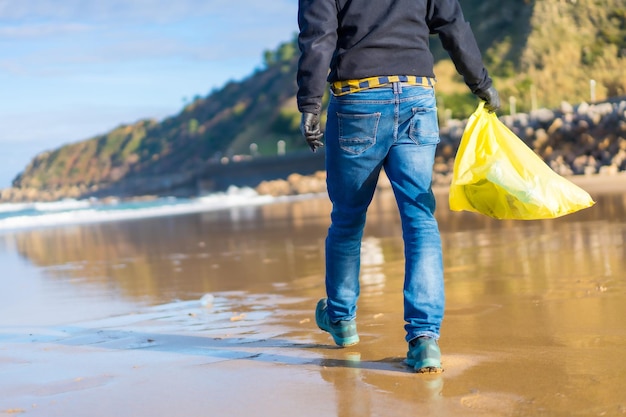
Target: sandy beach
211 314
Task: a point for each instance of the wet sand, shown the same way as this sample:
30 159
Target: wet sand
112 319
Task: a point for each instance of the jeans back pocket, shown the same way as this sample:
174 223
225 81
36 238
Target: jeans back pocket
424 127
357 132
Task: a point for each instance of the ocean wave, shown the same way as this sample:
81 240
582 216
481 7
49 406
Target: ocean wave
71 212
63 205
14 207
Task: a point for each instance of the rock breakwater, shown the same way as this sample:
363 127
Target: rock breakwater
586 139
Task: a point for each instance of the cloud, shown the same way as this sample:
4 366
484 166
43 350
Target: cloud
52 37
103 51
66 124
42 30
156 11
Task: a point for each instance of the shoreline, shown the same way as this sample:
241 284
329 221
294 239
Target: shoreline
298 184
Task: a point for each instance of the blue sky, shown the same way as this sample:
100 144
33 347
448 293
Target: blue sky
72 69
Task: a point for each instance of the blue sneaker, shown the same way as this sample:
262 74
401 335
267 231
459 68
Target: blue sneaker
424 356
343 332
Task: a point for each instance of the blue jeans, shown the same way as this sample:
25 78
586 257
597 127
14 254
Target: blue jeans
394 128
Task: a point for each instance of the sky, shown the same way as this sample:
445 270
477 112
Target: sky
73 69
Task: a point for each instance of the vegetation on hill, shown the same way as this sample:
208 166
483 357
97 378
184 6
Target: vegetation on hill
542 52
539 52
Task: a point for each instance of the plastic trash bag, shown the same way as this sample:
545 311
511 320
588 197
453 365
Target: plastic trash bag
498 175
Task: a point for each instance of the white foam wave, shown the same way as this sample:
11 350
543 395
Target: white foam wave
92 211
13 207
63 205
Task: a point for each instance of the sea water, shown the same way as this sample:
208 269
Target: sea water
20 216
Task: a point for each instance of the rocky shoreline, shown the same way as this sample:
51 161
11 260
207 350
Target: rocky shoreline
587 139
577 141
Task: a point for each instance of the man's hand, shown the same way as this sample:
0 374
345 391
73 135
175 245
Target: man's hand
310 128
491 98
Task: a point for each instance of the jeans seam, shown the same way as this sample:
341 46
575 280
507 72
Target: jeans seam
396 114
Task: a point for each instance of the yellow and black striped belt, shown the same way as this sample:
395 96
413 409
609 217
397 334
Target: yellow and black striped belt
340 88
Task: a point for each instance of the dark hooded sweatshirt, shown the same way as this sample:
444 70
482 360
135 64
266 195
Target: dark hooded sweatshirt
369 38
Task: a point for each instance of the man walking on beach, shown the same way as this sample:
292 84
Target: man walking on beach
382 115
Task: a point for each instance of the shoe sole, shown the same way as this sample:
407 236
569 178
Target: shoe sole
351 341
425 366
343 342
429 370
339 341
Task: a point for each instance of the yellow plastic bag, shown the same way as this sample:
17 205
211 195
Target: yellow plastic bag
496 174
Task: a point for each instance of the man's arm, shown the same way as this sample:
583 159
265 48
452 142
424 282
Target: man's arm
317 40
445 18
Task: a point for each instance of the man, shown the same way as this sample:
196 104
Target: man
382 115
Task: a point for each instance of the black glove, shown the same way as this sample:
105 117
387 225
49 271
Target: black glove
491 98
310 128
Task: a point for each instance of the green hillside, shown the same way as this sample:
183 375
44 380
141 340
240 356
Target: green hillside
540 52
